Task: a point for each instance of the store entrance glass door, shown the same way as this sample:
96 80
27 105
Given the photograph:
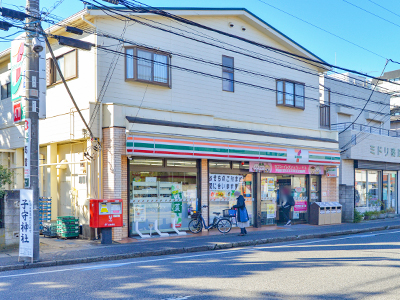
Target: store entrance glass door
389 189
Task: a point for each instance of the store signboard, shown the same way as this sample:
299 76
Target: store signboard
331 172
275 168
26 223
18 112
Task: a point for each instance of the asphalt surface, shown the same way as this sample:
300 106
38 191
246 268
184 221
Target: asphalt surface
363 266
97 250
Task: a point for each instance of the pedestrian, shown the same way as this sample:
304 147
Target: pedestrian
287 206
242 217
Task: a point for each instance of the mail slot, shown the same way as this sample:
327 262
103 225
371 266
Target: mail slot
106 213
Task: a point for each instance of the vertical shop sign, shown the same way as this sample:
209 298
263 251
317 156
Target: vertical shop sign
176 209
27 152
26 223
139 213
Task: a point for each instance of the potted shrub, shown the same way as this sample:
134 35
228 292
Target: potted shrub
374 215
382 214
367 215
391 213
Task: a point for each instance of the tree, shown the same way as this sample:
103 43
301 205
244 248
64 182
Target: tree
5 178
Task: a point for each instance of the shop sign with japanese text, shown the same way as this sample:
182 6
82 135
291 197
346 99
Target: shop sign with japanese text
384 151
27 153
275 168
26 223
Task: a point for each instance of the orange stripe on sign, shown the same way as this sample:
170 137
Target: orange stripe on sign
327 153
173 141
129 138
143 139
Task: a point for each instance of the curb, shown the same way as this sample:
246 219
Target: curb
217 246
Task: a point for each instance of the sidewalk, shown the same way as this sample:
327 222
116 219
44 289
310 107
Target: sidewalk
55 252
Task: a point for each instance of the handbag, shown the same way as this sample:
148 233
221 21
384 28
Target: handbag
244 216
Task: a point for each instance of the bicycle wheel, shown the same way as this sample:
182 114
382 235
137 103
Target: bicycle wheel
224 225
195 226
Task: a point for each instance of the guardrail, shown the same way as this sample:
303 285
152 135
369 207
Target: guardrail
364 128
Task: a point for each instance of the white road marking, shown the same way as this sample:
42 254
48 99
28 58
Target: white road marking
100 266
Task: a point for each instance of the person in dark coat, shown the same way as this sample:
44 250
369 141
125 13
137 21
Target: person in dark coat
242 216
287 205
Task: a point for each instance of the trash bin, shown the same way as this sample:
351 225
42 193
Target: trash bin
336 218
317 213
328 213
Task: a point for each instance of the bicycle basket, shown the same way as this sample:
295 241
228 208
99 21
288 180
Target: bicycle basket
195 214
229 213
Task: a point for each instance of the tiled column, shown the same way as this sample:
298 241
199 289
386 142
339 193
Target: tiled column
329 189
115 173
204 188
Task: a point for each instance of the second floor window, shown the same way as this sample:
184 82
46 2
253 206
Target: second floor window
148 66
289 93
68 65
6 90
227 74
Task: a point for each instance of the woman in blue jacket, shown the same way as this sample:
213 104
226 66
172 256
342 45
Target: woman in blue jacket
242 216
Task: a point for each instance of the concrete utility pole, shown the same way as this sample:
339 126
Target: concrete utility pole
32 114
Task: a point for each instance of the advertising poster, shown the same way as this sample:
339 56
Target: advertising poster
276 168
26 223
139 213
300 206
176 192
223 186
176 209
271 211
27 152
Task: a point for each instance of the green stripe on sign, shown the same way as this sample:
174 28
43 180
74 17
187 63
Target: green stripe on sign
280 154
244 152
324 157
205 149
144 145
129 144
174 147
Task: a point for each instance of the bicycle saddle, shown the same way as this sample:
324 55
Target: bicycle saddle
216 213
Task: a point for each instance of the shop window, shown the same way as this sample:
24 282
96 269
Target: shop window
240 165
220 164
227 74
389 191
181 163
147 162
147 65
367 190
6 90
289 93
222 187
161 189
68 65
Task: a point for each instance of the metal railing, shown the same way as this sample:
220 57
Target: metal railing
365 128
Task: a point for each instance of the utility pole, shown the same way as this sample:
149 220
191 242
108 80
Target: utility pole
31 169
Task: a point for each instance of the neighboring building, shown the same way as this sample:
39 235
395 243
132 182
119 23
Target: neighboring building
174 139
370 150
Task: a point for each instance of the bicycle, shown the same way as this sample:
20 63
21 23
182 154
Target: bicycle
223 224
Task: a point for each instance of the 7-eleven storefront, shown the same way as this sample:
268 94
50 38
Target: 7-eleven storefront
169 177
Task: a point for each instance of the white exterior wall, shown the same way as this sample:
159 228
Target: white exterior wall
200 100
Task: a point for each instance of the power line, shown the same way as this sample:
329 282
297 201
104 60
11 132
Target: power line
324 30
392 12
371 13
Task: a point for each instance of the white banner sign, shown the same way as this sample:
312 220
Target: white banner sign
26 223
27 153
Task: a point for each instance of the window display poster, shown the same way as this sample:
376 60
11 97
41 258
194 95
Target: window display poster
176 191
139 213
296 215
300 206
271 211
224 185
176 209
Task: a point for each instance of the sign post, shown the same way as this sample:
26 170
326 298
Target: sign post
26 224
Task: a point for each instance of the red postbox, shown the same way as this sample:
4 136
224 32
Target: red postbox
106 213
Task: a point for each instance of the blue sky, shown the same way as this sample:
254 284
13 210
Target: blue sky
335 16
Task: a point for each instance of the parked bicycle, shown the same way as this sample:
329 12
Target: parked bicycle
223 224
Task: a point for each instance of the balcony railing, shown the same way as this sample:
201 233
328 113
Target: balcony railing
365 128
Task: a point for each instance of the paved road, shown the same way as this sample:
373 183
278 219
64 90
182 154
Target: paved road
365 266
